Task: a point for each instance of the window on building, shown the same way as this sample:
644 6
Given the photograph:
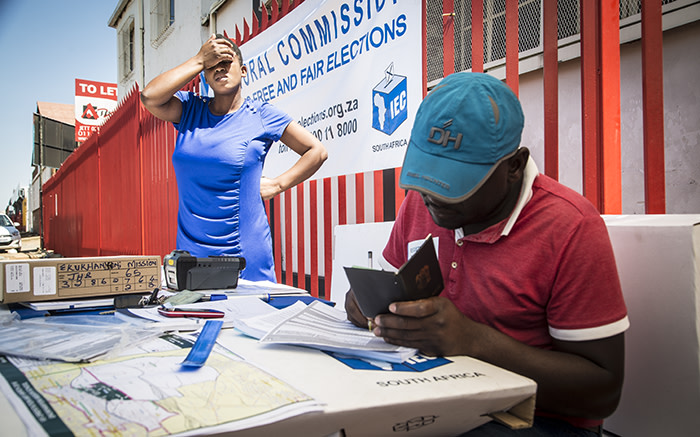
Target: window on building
162 19
127 47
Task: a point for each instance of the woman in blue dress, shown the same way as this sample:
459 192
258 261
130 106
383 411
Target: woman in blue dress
219 155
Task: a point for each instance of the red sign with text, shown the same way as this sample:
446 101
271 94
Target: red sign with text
94 101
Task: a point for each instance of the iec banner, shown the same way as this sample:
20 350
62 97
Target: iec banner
349 72
94 101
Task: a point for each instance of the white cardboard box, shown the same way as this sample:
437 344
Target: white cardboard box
658 257
445 400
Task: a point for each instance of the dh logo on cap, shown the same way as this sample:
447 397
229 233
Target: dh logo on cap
444 136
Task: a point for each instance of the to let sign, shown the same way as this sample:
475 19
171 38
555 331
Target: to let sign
94 101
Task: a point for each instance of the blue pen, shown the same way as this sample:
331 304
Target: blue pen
264 296
214 297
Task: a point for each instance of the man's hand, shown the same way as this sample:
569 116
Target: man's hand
434 326
353 311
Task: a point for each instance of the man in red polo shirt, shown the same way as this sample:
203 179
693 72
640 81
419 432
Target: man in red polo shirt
530 278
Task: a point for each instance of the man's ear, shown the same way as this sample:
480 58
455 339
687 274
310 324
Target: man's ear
244 70
517 163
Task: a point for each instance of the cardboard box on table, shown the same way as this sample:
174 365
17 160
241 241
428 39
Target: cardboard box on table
658 257
35 280
446 400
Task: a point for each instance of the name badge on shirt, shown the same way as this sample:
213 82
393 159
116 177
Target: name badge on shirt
413 246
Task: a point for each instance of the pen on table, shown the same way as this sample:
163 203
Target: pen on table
263 296
214 297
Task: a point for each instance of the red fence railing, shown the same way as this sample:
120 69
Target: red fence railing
115 194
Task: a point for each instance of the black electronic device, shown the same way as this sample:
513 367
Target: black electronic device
186 272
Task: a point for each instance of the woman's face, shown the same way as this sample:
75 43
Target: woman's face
225 76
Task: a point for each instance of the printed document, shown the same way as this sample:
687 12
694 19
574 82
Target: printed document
144 391
321 326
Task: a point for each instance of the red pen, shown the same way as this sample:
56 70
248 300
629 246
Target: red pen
194 312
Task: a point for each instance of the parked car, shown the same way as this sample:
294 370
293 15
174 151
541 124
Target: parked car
9 235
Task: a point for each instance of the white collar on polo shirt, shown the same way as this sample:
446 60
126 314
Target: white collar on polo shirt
531 172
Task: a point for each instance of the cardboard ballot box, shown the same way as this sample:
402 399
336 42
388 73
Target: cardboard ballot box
435 396
34 280
311 393
658 258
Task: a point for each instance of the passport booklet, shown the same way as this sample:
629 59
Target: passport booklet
418 278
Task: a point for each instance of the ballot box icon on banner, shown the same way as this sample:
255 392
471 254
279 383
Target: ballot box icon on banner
389 102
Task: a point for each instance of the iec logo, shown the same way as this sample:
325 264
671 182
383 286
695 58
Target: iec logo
389 104
415 423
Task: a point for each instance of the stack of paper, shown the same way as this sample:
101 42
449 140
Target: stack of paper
321 326
71 339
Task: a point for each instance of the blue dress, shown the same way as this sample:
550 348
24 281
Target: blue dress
218 161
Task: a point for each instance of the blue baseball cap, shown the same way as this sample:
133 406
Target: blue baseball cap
464 127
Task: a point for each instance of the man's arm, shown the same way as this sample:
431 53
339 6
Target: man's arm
581 379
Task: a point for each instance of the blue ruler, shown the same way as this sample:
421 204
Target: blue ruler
205 343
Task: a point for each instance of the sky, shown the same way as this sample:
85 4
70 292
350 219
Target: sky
44 46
